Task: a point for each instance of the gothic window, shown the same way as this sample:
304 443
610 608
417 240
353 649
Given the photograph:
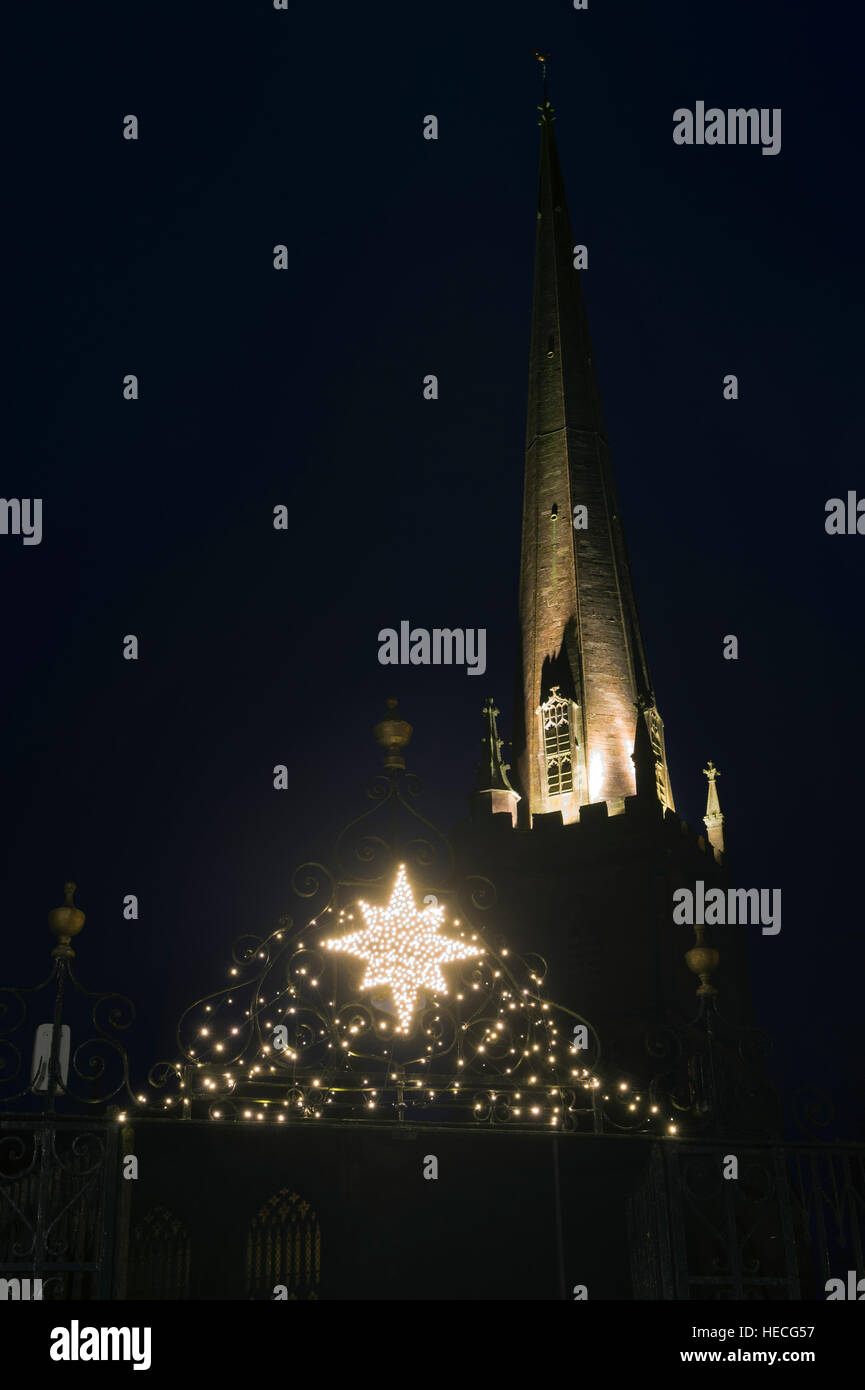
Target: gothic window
556 720
159 1257
284 1247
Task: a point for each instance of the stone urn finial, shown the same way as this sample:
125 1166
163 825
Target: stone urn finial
392 734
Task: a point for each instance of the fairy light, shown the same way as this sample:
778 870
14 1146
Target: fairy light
403 950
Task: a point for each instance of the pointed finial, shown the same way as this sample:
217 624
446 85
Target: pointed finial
713 805
546 110
493 791
714 819
492 769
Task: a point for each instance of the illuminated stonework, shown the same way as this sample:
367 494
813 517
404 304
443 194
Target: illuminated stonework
579 624
403 950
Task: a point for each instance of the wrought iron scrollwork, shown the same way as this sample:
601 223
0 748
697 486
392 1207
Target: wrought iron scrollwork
711 1068
292 1036
98 1061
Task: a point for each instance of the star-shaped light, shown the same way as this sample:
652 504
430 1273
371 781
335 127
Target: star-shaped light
403 950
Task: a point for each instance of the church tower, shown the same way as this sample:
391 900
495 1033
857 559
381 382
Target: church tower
583 670
581 837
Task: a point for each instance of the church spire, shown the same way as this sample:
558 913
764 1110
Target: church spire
579 626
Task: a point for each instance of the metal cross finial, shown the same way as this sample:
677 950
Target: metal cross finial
711 771
543 59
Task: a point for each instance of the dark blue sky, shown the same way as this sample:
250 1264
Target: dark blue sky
304 388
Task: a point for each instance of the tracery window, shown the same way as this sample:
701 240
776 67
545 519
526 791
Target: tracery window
159 1257
556 717
284 1247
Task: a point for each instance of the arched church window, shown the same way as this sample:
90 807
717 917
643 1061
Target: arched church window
556 719
159 1257
284 1248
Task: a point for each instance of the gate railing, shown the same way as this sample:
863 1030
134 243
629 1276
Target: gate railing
58 1204
786 1219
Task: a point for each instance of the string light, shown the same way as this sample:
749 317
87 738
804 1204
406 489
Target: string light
403 950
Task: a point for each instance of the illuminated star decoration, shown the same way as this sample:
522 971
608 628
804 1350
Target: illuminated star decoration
403 950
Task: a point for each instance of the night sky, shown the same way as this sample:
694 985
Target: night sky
304 387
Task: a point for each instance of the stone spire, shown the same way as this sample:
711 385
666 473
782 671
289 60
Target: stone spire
493 791
578 615
714 819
